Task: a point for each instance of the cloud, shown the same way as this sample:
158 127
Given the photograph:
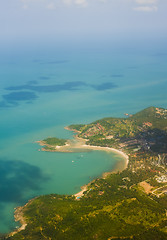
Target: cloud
146 5
81 3
142 5
146 9
25 4
51 6
146 1
103 1
67 2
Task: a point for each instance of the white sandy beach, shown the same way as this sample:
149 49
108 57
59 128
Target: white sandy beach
78 144
84 146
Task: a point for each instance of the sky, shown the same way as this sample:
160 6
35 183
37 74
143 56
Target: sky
75 20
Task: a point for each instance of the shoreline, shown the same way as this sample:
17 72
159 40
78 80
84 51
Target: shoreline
19 217
84 188
80 144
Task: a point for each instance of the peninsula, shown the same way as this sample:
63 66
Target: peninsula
131 204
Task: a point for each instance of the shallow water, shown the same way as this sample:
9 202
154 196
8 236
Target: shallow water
42 91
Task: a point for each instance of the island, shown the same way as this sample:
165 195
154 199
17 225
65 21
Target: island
129 204
51 144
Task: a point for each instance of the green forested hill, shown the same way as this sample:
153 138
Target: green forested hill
145 130
127 205
108 209
157 116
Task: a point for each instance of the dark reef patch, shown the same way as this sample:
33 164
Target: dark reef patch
103 76
68 86
55 62
19 96
27 91
117 75
133 67
17 178
4 104
160 54
44 78
104 86
32 82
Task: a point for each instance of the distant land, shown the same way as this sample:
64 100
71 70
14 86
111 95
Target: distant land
131 204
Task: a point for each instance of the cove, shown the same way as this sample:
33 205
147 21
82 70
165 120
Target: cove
33 173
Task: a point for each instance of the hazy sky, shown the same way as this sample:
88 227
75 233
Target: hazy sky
75 19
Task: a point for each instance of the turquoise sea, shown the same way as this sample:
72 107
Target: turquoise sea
44 89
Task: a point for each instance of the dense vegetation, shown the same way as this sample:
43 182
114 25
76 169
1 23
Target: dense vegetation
109 208
76 126
51 143
145 131
119 206
55 141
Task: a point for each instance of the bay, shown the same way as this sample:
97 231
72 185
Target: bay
44 90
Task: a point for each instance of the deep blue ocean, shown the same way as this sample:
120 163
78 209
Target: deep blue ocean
44 89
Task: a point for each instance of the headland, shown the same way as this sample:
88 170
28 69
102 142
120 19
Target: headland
130 204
